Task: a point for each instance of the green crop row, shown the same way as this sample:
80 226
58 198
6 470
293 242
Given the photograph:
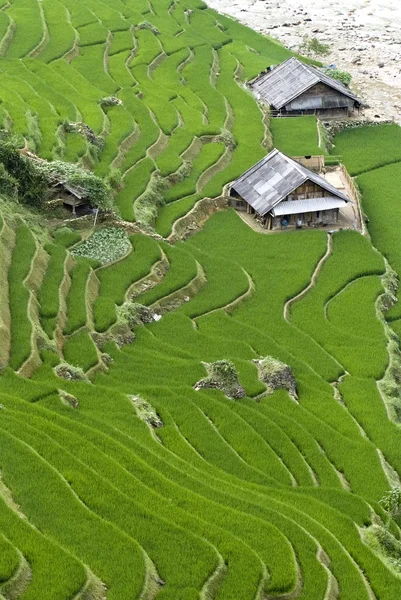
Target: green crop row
77 294
62 34
91 66
149 131
21 326
309 314
116 279
208 156
80 351
365 148
181 272
296 136
121 124
29 28
380 202
9 560
49 294
119 71
173 211
170 160
122 40
135 183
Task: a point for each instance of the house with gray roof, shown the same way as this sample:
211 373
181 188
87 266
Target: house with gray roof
295 88
280 192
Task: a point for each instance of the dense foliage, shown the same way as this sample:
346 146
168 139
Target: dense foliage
19 176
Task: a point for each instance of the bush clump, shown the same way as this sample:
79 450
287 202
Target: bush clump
385 544
149 27
68 399
312 46
133 314
276 375
110 101
222 375
146 412
8 183
20 177
69 372
341 76
86 132
98 191
105 245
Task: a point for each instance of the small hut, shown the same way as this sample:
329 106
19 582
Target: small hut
295 88
281 192
71 196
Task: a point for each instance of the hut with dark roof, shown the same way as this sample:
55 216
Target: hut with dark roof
281 192
295 88
72 196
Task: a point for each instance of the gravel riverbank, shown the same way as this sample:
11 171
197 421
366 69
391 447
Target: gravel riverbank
364 37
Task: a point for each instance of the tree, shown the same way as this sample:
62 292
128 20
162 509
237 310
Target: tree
32 184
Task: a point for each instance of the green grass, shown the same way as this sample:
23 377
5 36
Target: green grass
21 326
373 153
117 278
207 157
76 298
79 351
296 136
182 270
367 148
49 296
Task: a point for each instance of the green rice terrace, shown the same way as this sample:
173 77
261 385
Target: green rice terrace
189 409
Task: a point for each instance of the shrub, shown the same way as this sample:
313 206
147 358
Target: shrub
341 76
222 375
314 46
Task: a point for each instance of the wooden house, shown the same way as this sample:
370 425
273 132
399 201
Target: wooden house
71 196
294 88
281 193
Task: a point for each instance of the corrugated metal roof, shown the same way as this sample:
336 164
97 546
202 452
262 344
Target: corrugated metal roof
291 79
295 207
273 178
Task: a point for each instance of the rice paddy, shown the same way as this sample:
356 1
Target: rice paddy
120 477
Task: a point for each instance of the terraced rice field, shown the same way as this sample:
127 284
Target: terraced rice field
373 154
118 479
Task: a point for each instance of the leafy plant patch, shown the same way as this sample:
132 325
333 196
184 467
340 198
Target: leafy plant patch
105 245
